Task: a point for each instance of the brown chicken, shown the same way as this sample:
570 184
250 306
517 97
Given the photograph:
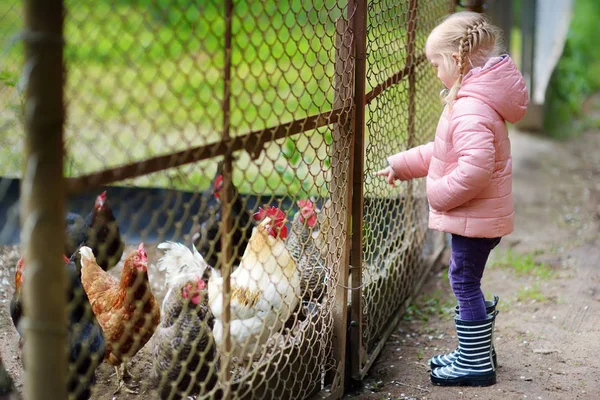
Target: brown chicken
126 310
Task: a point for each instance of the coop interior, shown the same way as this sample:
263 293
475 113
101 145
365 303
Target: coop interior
224 233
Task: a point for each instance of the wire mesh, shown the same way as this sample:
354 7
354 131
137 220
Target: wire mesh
153 117
403 111
187 121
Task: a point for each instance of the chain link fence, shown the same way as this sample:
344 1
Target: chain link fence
215 169
402 112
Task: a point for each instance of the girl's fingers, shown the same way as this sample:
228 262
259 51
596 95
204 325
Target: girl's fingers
382 172
391 178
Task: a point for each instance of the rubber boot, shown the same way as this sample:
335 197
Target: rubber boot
474 365
447 359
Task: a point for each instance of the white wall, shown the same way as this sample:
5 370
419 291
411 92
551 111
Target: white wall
552 24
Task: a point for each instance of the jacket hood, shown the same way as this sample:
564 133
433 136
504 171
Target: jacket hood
500 85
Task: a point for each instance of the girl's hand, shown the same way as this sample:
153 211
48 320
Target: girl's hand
389 175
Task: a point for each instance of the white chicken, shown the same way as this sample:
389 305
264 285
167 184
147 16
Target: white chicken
180 265
265 288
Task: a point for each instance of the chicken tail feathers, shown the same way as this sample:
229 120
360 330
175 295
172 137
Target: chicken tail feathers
179 259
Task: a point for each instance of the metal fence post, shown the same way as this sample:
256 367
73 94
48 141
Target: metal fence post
341 193
227 199
359 21
42 203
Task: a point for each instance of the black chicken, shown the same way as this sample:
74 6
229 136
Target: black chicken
99 231
86 343
208 240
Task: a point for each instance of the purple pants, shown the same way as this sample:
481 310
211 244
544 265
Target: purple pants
469 256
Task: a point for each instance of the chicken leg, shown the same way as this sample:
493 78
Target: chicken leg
133 389
127 374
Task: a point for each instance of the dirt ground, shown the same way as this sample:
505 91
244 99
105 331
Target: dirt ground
547 274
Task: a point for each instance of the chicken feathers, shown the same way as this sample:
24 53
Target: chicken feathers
127 326
265 288
184 349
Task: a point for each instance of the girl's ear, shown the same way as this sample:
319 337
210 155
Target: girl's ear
455 58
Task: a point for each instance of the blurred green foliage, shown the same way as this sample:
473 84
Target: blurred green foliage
577 75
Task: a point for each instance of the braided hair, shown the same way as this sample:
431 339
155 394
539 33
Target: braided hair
471 38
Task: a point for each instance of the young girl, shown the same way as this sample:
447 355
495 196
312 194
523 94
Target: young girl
469 171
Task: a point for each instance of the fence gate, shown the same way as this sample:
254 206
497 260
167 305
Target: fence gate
391 249
225 234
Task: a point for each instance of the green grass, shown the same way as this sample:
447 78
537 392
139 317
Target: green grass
145 78
577 74
523 264
531 294
438 303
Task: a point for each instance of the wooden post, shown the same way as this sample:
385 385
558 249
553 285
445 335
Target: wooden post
42 203
226 201
473 5
500 13
341 200
359 22
528 43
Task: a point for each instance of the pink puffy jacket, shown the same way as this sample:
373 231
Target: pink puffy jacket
468 165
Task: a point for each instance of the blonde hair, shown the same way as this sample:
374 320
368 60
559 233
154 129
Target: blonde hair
472 37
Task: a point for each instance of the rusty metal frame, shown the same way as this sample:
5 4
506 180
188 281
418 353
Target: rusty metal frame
43 202
227 199
252 142
361 362
341 166
360 55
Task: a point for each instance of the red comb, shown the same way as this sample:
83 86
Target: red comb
218 185
66 259
275 213
305 203
101 199
307 212
142 251
260 214
278 229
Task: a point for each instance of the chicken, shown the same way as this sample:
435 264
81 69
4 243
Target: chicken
126 309
208 240
184 348
15 305
86 343
77 231
301 243
265 288
180 264
99 231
